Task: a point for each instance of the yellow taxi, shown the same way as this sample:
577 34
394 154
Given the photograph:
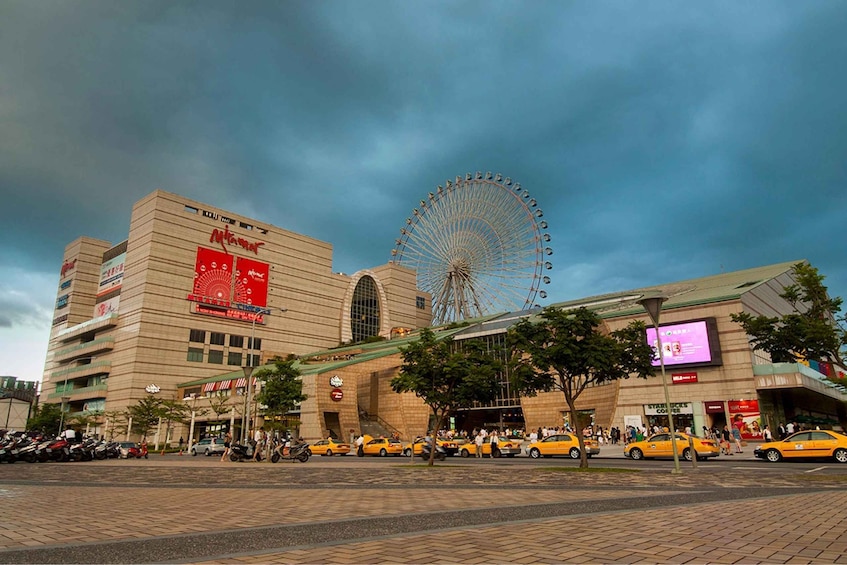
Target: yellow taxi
805 445
561 444
505 448
450 446
660 445
382 446
330 447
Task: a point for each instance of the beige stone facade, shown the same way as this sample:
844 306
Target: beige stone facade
130 321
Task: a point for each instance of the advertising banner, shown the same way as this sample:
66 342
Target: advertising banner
213 275
107 307
745 416
251 281
111 274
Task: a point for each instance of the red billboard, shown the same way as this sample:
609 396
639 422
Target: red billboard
251 282
213 274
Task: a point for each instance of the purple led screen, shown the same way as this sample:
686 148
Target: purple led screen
681 343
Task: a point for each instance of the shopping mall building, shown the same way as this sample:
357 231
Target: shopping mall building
195 290
196 293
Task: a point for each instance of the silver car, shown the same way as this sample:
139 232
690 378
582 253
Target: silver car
208 446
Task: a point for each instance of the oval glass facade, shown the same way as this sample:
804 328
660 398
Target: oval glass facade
364 310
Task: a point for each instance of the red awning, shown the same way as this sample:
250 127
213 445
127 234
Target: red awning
224 385
241 383
209 387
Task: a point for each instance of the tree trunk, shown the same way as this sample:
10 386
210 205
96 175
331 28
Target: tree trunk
583 457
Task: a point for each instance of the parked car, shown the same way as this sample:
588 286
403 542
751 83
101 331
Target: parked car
330 447
382 446
208 446
805 445
561 445
450 446
660 445
125 446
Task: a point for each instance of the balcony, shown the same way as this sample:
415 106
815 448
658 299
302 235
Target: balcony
81 393
92 325
88 349
76 372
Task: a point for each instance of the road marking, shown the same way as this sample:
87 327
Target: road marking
814 470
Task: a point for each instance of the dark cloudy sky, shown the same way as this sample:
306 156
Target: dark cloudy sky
664 140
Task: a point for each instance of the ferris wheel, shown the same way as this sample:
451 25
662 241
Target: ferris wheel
479 247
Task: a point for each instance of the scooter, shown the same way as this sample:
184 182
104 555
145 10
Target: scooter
440 452
239 452
297 452
137 451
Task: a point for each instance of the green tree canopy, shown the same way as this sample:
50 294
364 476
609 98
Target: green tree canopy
570 351
447 376
282 388
814 330
45 419
145 414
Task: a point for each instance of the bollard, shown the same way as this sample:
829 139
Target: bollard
693 453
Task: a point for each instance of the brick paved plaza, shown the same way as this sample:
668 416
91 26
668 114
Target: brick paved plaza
198 510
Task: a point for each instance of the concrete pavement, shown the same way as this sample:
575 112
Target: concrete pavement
198 510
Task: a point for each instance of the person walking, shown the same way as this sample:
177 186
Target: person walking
227 442
479 440
736 437
766 434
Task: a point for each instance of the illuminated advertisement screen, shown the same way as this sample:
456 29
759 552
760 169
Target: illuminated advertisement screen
693 343
213 274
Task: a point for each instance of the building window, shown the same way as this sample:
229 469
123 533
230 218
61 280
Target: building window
217 338
420 302
234 359
236 341
364 310
195 354
256 343
216 357
254 360
197 336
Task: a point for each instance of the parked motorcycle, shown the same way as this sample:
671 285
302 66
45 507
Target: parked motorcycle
137 451
240 452
56 449
286 451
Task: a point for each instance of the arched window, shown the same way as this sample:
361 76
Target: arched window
364 310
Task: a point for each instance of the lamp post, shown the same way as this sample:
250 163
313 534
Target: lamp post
193 398
653 306
62 411
247 418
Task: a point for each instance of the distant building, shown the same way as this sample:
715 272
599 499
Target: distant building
17 400
195 290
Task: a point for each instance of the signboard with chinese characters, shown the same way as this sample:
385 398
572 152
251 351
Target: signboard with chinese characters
683 378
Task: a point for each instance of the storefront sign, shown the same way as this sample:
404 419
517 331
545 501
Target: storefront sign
152 389
713 406
231 313
683 378
336 394
336 381
661 409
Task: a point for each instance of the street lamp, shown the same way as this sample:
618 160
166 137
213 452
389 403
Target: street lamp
653 306
246 418
193 398
62 415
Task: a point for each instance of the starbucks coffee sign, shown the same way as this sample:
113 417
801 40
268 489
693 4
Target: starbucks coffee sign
662 409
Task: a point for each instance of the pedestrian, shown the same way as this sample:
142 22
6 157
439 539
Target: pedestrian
227 442
360 446
736 437
258 437
493 441
479 440
181 441
725 445
766 434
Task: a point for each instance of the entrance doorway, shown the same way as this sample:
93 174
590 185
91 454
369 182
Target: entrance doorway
332 424
501 419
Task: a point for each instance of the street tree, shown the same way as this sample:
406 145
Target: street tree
145 414
447 376
220 405
282 391
45 418
570 350
115 422
813 330
173 411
